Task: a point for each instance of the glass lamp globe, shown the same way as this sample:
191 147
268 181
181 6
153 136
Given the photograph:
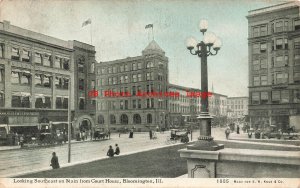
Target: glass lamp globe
217 44
191 43
203 25
209 38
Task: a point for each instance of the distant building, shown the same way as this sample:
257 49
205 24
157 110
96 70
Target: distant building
35 72
274 65
130 76
186 108
237 107
181 108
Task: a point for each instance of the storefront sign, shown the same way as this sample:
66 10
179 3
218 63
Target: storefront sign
20 113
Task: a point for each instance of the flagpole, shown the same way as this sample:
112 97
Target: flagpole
152 33
91 34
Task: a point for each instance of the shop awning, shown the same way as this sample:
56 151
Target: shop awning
59 122
24 125
22 94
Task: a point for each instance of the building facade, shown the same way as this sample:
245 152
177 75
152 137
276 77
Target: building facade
36 77
182 108
237 107
274 65
121 83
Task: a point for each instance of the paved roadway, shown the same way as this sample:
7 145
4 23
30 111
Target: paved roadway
26 160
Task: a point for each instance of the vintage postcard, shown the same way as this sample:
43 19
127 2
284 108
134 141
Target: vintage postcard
148 93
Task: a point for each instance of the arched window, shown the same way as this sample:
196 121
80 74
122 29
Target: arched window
112 119
81 104
124 119
150 64
101 119
149 118
137 119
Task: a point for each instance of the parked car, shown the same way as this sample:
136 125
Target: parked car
271 132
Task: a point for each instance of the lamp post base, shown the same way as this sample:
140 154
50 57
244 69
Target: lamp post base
206 143
205 140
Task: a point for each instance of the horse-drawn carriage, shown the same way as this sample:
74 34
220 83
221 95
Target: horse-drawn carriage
100 133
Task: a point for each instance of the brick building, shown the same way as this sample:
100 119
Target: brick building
145 73
274 65
37 72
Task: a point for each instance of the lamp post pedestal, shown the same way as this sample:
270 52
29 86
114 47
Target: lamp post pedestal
205 140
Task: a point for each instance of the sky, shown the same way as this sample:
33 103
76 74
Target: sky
118 31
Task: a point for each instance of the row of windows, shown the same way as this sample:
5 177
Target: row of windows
276 26
179 108
124 104
40 58
278 61
127 67
124 119
237 102
236 107
40 102
276 97
277 78
125 79
277 44
42 80
134 90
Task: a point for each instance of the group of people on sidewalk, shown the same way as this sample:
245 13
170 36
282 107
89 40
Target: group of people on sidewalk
111 151
228 131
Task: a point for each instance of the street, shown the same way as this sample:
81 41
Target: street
26 160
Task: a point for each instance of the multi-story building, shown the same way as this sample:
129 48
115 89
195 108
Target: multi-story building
237 107
36 77
217 107
217 104
182 108
274 65
187 106
120 82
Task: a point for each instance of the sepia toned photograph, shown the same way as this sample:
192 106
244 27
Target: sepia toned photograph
149 93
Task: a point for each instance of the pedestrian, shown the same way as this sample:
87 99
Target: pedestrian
150 134
54 161
117 152
110 152
237 129
227 132
131 133
21 140
108 134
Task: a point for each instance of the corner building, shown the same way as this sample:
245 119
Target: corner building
37 72
145 73
274 66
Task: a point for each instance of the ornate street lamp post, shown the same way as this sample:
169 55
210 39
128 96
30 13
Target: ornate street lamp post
204 49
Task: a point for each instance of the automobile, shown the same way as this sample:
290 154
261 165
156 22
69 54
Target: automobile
271 132
177 134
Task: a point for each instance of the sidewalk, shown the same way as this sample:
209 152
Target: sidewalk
244 137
